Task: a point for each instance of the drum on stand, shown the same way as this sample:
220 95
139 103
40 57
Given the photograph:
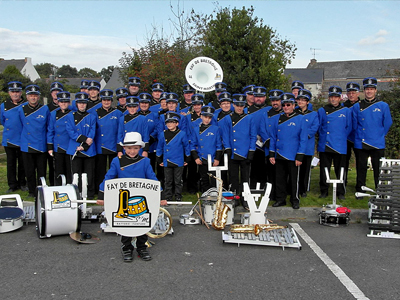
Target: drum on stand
11 212
56 214
210 206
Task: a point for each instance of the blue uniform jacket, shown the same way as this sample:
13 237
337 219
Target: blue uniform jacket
265 129
371 124
173 152
152 123
335 126
312 123
92 106
259 119
207 142
133 123
183 125
240 137
9 118
288 137
127 167
57 136
79 131
34 127
107 130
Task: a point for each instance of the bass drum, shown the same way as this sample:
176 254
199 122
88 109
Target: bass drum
55 213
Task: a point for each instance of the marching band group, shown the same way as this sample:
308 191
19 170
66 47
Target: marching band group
265 143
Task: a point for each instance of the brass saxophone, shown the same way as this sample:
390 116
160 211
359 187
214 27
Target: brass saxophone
256 229
221 209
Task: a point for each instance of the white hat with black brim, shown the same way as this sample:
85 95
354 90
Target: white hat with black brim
132 139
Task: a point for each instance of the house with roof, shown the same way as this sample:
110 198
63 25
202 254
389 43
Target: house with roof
312 79
25 66
115 80
341 72
319 76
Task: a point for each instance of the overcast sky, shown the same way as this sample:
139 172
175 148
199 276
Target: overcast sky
95 33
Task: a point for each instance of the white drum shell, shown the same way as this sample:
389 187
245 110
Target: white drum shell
10 225
57 221
209 208
7 225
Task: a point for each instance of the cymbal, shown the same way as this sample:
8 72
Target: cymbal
84 238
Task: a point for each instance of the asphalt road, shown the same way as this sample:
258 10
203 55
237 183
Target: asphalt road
194 263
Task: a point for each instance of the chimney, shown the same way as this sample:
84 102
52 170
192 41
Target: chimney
28 60
313 61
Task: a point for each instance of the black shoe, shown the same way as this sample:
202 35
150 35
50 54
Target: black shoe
24 188
143 254
341 197
127 254
296 206
303 195
359 198
11 190
323 195
279 203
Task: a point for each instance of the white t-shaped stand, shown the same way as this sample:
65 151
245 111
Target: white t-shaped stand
257 214
217 169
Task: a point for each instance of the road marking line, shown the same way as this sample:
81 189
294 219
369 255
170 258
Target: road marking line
335 269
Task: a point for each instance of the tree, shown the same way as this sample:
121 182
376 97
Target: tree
393 136
11 73
164 57
66 71
88 73
157 62
46 69
106 73
248 51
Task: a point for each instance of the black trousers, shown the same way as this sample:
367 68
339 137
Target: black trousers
304 175
339 161
362 160
350 147
258 172
35 167
103 163
85 165
206 182
157 168
224 174
173 178
15 168
50 162
287 176
192 177
140 242
62 166
239 172
271 178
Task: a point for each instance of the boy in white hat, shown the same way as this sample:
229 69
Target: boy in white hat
131 165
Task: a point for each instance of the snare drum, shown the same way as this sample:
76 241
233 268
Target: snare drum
209 208
55 213
11 213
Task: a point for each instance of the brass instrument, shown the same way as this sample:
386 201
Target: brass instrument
221 209
123 204
254 228
166 219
